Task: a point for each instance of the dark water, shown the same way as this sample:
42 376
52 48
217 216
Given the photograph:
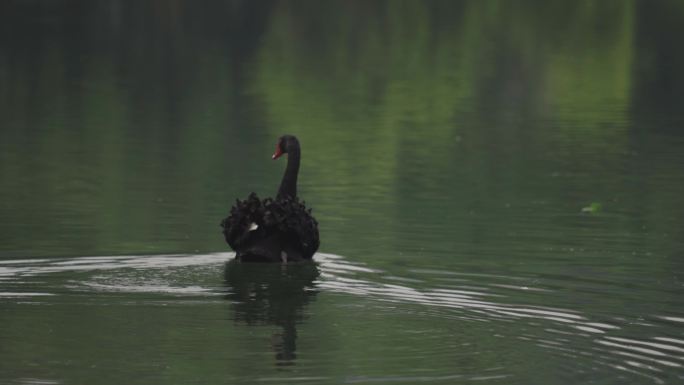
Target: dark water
499 189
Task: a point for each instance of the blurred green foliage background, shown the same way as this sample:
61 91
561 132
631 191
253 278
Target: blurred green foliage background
131 126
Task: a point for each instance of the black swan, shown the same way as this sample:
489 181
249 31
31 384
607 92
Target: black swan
274 230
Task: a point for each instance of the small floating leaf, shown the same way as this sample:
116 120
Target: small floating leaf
593 208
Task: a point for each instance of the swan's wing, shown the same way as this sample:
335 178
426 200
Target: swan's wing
287 222
292 217
245 217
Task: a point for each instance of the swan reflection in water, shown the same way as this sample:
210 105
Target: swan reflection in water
272 294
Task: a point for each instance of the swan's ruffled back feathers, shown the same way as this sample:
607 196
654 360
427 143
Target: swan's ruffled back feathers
287 218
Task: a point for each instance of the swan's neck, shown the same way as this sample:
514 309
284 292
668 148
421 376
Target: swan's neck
288 186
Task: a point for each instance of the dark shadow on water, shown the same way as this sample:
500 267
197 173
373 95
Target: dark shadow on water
272 294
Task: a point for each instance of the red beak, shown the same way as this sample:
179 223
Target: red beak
278 152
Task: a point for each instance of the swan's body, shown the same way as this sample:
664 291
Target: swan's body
274 230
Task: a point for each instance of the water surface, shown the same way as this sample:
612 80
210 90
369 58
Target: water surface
498 188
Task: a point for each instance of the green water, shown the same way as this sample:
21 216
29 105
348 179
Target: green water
498 185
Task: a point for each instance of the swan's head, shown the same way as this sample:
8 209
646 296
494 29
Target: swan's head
285 144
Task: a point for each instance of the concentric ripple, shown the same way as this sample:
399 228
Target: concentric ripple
508 308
